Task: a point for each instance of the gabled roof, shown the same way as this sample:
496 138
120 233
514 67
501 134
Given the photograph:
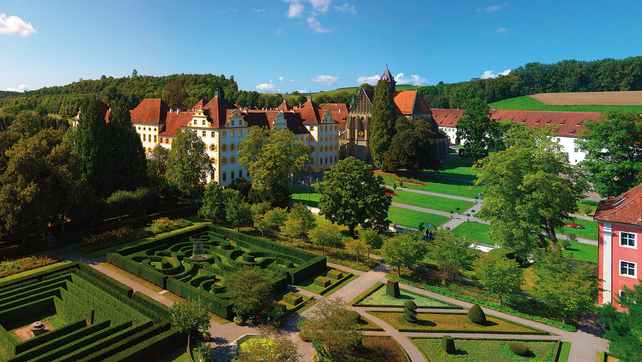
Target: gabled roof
339 113
570 124
625 209
410 102
310 113
284 106
150 111
217 111
174 121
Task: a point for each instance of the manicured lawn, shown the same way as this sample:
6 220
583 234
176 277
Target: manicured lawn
459 168
590 230
431 202
438 185
484 350
305 196
413 218
366 324
474 230
451 323
582 252
379 298
376 349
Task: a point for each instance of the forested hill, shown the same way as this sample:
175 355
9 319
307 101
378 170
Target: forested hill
565 76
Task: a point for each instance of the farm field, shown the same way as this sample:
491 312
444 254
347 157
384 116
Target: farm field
526 103
629 98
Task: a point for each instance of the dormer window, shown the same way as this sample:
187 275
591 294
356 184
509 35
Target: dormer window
232 124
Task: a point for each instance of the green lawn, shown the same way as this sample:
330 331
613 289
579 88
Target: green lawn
32 271
484 350
413 218
438 185
590 230
451 323
459 168
431 202
379 298
582 252
309 285
526 103
474 230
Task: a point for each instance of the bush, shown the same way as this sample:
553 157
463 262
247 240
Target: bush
335 274
476 315
518 348
448 345
108 237
392 288
292 298
322 281
410 311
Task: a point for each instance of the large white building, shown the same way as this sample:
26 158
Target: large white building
569 125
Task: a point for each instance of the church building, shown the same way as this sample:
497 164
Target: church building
354 139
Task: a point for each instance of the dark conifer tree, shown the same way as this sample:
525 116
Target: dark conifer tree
130 163
382 123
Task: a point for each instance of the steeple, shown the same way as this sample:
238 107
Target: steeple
387 76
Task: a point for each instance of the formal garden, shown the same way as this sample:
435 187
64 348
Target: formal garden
74 313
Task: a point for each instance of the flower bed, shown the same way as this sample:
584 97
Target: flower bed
15 266
413 183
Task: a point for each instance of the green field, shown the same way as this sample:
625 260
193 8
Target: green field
590 230
431 202
412 218
582 252
526 103
484 350
474 230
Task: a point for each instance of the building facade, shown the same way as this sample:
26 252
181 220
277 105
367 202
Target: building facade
620 232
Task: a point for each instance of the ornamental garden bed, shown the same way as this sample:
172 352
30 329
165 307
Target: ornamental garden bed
452 323
327 282
19 265
171 263
375 349
492 350
376 296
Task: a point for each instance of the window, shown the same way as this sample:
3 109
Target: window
224 176
335 159
627 239
232 175
212 135
203 122
232 147
213 147
144 138
204 133
232 126
213 176
240 173
627 268
326 128
232 133
326 148
326 160
155 139
224 147
195 122
330 147
232 160
224 134
213 160
623 297
240 135
224 161
320 161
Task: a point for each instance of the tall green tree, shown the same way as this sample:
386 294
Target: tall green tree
92 143
7 140
404 249
27 124
250 291
42 183
272 157
451 253
301 211
623 329
130 162
188 163
477 130
238 212
613 152
531 190
499 274
157 167
327 235
382 123
279 349
189 316
351 195
214 202
358 247
413 147
565 285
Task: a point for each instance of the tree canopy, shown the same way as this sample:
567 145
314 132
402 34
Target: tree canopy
413 147
188 316
623 329
477 130
499 274
382 123
351 195
404 249
188 163
613 152
250 291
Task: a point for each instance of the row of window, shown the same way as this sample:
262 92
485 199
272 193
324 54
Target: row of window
145 138
223 147
627 268
204 122
224 176
145 128
326 160
627 239
321 128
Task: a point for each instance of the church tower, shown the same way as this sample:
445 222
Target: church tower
387 76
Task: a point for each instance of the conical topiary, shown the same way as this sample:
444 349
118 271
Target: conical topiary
518 348
448 345
392 288
410 311
476 315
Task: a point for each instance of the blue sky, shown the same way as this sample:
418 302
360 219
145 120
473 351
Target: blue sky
305 45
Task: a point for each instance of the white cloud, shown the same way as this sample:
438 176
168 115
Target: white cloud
13 25
320 5
316 26
295 9
283 80
493 8
278 31
490 74
266 87
502 30
346 8
21 88
258 11
412 80
326 80
302 91
370 80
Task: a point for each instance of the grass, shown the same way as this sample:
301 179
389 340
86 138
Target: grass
582 252
412 218
32 271
366 324
379 298
309 285
437 185
526 103
431 202
452 323
474 230
37 260
566 348
484 350
459 169
590 230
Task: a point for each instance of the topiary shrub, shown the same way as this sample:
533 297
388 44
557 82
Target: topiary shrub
410 314
448 344
519 348
476 315
392 288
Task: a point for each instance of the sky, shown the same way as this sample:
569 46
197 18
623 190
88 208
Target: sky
279 46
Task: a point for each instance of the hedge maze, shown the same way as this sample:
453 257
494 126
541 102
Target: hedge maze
97 318
170 264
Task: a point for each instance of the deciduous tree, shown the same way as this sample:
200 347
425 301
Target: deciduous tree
451 253
327 235
476 129
499 274
250 291
351 195
188 163
413 147
623 329
358 247
130 162
279 348
213 208
613 152
382 123
403 249
188 316
330 321
238 212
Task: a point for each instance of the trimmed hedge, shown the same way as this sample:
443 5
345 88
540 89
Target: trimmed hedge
106 283
518 348
476 315
169 239
24 311
21 292
293 298
147 273
322 281
65 311
36 277
126 343
448 344
335 274
8 342
331 287
35 296
152 349
366 294
78 306
214 304
49 336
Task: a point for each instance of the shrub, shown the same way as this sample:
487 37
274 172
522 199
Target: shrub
448 345
292 298
322 281
335 274
107 237
476 315
518 348
392 288
410 311
351 315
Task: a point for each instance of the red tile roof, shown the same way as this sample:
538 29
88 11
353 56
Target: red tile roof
284 106
218 111
570 124
150 111
310 113
174 121
407 101
625 209
339 113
